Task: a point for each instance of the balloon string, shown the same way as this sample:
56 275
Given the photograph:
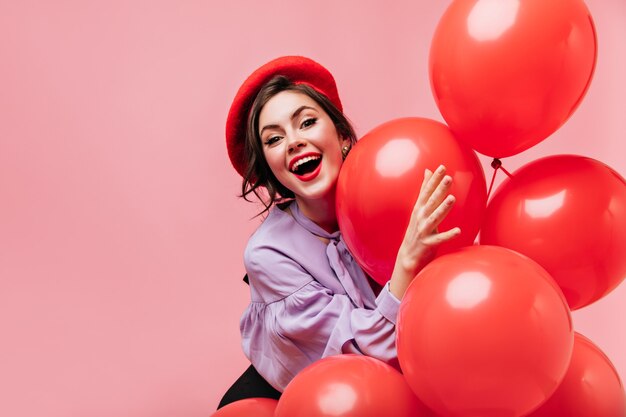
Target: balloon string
508 174
496 164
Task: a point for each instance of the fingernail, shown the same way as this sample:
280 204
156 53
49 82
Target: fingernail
447 180
441 168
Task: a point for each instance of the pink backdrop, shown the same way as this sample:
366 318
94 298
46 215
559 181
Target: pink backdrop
121 236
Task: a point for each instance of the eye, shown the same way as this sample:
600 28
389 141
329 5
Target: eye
308 122
271 140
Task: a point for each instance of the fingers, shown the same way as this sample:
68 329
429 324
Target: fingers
438 204
438 196
435 188
440 213
439 238
430 185
432 206
427 174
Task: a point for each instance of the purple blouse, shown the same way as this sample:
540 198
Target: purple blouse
309 300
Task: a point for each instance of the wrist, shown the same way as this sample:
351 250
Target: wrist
410 265
401 277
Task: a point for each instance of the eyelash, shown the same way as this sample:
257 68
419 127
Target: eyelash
304 123
271 140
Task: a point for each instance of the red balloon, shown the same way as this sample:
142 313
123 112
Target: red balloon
507 73
349 386
380 180
250 407
591 386
568 213
484 331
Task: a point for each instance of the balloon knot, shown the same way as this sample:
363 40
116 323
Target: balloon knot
496 163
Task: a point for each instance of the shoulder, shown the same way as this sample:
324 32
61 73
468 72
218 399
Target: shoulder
270 238
272 259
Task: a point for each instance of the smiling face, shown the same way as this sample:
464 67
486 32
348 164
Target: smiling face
301 145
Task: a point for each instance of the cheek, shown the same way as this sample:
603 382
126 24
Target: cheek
335 162
275 161
270 157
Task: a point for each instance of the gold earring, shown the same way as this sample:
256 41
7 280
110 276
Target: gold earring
344 151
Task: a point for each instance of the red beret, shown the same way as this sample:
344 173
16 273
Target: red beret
299 70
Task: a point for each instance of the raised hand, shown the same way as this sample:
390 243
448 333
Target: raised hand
422 237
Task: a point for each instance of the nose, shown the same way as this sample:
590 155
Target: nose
296 142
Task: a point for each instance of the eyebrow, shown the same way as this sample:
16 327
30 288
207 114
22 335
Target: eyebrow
293 116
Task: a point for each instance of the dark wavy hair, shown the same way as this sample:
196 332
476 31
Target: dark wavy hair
258 175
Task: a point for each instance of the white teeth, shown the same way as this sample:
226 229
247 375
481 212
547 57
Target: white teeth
295 166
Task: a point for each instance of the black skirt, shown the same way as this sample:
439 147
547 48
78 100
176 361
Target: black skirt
249 385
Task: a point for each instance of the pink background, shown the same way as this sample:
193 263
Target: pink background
121 235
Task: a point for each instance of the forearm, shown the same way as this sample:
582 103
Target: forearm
403 274
399 282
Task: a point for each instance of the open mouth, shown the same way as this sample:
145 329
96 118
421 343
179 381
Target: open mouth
306 165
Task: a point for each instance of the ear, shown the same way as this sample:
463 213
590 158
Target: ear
346 145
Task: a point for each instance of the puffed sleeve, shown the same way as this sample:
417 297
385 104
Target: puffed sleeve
293 320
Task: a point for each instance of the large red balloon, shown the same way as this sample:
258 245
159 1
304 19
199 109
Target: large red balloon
380 180
591 387
250 407
484 331
349 386
507 73
568 213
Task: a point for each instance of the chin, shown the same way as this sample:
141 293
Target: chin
320 192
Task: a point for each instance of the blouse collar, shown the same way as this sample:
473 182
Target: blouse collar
350 275
310 225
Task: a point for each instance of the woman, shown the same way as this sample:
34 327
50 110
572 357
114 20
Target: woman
287 135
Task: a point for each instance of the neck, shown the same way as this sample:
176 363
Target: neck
320 211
